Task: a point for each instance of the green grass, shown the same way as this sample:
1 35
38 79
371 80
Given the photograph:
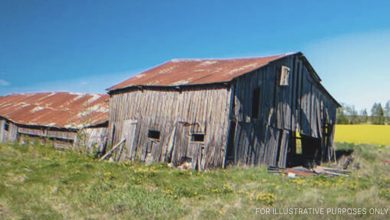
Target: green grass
38 182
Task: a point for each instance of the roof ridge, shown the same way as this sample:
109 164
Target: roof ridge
230 58
51 93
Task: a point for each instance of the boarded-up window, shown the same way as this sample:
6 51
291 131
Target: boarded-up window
6 126
255 103
197 137
154 134
284 76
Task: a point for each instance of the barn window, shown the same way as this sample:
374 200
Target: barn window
255 103
284 76
154 134
6 126
197 137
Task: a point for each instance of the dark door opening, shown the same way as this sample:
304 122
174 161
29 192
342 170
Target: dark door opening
311 151
304 151
230 145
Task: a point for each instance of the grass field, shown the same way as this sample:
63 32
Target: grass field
363 134
38 182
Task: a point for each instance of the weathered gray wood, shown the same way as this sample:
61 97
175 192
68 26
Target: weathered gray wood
2 131
128 133
94 137
300 105
113 149
188 111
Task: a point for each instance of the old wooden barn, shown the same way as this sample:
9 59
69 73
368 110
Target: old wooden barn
214 112
65 119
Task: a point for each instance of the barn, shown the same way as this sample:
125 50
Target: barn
216 112
65 119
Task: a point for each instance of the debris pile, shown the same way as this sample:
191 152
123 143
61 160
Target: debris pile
301 171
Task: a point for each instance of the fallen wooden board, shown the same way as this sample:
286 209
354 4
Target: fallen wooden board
113 149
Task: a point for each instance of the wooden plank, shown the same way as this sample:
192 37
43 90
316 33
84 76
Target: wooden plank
128 133
113 149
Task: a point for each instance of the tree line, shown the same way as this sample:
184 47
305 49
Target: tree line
379 114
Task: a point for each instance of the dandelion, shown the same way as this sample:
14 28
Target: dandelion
264 197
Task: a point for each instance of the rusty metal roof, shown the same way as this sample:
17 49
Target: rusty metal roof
55 109
196 71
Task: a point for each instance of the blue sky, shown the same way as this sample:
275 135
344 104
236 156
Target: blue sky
87 46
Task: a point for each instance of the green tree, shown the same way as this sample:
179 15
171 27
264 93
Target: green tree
341 117
377 114
387 112
364 116
352 114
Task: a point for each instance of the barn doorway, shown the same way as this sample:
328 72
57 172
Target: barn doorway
311 151
229 159
195 151
129 133
149 151
304 151
189 145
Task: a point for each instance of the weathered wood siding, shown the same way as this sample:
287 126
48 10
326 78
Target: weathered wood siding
93 138
60 138
48 132
301 106
2 131
176 115
10 134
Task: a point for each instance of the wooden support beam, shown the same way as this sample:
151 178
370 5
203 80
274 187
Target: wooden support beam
113 149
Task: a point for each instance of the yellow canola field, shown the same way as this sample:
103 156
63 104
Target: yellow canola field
363 134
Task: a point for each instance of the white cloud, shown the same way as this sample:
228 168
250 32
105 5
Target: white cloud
355 68
4 82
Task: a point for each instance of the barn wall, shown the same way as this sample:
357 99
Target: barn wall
317 114
56 143
2 131
59 138
26 138
176 115
7 135
301 106
48 133
93 139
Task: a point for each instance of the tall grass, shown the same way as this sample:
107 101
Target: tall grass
38 182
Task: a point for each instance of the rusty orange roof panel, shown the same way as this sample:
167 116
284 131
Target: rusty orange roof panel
55 109
196 71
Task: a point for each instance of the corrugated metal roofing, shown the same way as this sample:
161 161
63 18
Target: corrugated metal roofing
56 109
196 71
